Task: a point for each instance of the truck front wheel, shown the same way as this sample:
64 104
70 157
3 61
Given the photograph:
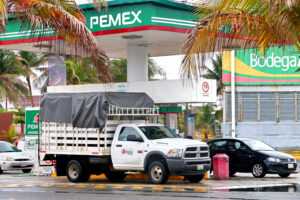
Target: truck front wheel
157 173
194 178
77 171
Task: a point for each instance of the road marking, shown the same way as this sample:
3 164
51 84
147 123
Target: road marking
81 186
157 188
100 186
178 189
118 187
200 190
29 185
63 186
12 185
137 188
46 185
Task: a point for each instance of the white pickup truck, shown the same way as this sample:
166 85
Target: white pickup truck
130 140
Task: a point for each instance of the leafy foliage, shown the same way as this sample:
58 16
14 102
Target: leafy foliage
11 87
215 73
231 24
68 24
119 69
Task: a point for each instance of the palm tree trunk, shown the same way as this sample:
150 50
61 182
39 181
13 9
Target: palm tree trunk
30 90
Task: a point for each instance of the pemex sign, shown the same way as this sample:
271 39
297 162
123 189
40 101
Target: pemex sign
276 67
32 122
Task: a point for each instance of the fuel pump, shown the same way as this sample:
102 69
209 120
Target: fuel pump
189 123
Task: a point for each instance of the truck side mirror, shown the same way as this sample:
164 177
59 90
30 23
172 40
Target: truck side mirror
133 138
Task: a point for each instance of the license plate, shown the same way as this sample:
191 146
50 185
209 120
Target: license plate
23 165
291 166
200 167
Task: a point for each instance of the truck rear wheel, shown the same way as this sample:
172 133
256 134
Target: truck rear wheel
194 178
115 176
77 171
157 173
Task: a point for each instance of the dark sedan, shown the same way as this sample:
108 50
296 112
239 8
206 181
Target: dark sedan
249 155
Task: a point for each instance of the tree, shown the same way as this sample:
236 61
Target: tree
11 87
81 71
119 69
68 23
29 61
231 24
215 73
205 120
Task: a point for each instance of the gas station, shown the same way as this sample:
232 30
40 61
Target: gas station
134 30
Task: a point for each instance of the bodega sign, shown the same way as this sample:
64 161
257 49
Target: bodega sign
284 63
114 20
277 66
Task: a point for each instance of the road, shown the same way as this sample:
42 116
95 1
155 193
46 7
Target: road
243 186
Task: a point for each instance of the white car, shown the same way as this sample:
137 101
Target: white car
12 158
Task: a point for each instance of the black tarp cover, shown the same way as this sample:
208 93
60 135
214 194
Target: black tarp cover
88 110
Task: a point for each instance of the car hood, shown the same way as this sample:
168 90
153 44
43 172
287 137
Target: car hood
277 154
16 155
178 143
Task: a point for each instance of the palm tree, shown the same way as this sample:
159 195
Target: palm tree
11 87
119 69
29 61
81 71
231 24
68 23
215 73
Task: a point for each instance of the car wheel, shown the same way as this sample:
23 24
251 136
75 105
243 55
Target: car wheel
194 178
258 170
1 171
157 172
76 171
284 175
26 171
115 176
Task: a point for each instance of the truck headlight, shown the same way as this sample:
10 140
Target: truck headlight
274 159
175 153
9 158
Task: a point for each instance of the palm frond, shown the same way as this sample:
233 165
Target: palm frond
239 24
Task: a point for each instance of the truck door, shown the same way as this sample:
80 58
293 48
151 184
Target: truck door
126 154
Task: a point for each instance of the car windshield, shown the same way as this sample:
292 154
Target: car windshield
157 132
258 145
7 147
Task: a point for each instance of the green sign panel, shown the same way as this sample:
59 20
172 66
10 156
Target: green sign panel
31 122
277 66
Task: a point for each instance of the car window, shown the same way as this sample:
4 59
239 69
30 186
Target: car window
7 147
125 131
219 146
235 145
258 145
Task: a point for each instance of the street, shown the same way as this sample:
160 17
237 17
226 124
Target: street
14 185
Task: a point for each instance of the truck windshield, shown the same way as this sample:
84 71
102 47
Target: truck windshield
157 132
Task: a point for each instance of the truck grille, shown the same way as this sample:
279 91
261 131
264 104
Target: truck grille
196 152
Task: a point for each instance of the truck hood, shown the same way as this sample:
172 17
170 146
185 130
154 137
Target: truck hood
178 143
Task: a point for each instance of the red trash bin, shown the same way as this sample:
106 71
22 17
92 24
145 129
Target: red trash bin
221 166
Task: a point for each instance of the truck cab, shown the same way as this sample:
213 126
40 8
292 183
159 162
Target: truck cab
156 150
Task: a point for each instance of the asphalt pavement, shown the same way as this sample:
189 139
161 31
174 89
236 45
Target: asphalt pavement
15 185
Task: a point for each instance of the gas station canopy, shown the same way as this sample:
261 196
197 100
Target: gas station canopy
160 26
